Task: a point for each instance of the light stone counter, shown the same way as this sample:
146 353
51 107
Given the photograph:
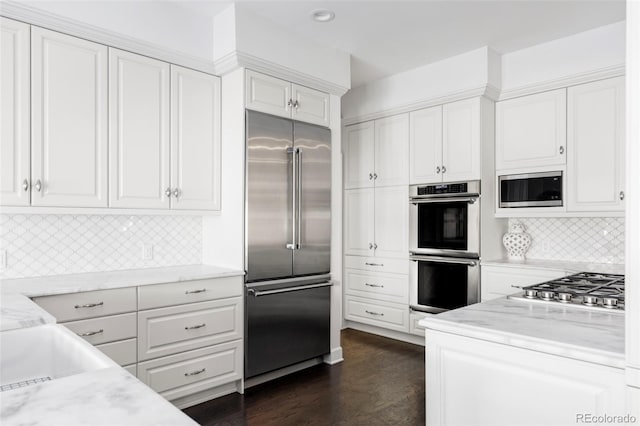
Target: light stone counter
571 267
576 333
18 311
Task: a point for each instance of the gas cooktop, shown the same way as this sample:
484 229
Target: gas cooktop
584 290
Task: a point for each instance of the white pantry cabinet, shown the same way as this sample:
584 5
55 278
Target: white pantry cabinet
425 145
14 113
531 131
138 131
68 121
472 381
279 97
498 281
595 138
359 155
195 140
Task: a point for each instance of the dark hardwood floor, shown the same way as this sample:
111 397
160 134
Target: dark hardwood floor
380 382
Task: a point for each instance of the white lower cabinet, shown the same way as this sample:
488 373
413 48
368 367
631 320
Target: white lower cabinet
471 381
132 369
393 316
414 326
499 281
105 329
123 352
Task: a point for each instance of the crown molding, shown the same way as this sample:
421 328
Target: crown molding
237 59
566 81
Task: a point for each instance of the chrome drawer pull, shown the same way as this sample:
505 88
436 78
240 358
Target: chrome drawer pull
193 327
193 373
89 305
202 290
374 264
375 313
90 333
374 285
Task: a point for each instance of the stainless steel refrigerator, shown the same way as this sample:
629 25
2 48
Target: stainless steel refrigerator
287 247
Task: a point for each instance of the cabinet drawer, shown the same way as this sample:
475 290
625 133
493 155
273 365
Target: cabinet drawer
156 296
382 314
106 329
392 287
378 264
498 281
179 375
123 352
132 369
89 304
166 331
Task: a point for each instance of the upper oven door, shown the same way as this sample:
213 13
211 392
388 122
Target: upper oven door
445 226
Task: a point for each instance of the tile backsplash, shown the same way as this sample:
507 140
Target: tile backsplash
580 239
39 245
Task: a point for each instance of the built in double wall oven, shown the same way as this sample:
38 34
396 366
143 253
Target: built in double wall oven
444 245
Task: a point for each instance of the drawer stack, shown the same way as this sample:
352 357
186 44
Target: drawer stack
104 318
377 292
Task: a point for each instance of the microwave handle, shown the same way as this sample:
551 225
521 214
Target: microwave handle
443 260
470 200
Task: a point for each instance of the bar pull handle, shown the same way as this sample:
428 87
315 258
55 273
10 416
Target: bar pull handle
194 373
89 305
374 285
373 264
90 333
378 314
202 290
258 293
195 327
298 153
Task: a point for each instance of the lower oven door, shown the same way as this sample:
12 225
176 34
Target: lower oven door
440 284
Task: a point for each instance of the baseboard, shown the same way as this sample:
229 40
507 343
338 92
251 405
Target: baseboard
391 334
263 378
333 357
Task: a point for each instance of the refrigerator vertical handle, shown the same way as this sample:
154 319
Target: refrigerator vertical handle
299 199
294 196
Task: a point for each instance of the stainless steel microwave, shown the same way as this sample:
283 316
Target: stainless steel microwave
542 189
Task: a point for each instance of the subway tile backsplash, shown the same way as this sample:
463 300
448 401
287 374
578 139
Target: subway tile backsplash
38 245
580 239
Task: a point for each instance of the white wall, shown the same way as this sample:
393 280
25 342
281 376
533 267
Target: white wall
583 52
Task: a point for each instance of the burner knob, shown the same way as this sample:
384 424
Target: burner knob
530 294
590 300
546 295
565 297
610 303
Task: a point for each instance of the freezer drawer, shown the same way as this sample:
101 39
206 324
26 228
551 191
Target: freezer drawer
286 325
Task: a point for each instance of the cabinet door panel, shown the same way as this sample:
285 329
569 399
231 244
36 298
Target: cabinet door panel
14 113
69 120
358 156
391 155
461 140
312 105
195 139
359 222
425 146
139 131
531 130
596 166
392 221
268 94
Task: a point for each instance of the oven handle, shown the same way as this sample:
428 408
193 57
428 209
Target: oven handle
443 260
470 200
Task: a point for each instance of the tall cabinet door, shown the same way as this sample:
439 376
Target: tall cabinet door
359 222
425 146
358 156
392 222
14 113
69 121
310 105
461 140
195 139
595 137
139 131
392 151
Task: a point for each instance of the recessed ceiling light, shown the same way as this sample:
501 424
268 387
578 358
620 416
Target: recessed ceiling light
323 15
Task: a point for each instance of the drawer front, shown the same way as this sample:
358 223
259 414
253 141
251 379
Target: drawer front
180 375
497 281
414 327
392 287
381 314
132 369
106 329
166 331
123 352
377 264
156 296
89 304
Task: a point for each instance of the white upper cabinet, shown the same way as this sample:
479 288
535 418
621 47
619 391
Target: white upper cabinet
358 155
425 152
279 97
596 162
69 121
391 155
531 131
14 113
461 134
139 131
195 140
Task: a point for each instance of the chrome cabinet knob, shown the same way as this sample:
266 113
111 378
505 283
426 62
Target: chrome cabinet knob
25 185
375 176
176 192
444 170
290 103
561 150
370 246
38 185
438 170
296 104
375 246
167 192
621 195
370 176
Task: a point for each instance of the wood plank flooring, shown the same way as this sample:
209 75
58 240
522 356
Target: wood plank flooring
380 382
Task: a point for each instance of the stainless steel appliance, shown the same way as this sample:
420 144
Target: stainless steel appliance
586 290
530 190
287 238
444 244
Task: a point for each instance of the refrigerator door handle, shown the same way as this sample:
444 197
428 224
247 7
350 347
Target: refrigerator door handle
298 183
294 195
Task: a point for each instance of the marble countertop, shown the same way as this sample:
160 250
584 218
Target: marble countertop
110 396
572 267
575 333
18 311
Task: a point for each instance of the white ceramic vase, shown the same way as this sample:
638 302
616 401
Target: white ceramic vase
516 241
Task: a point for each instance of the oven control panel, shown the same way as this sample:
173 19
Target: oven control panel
450 188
